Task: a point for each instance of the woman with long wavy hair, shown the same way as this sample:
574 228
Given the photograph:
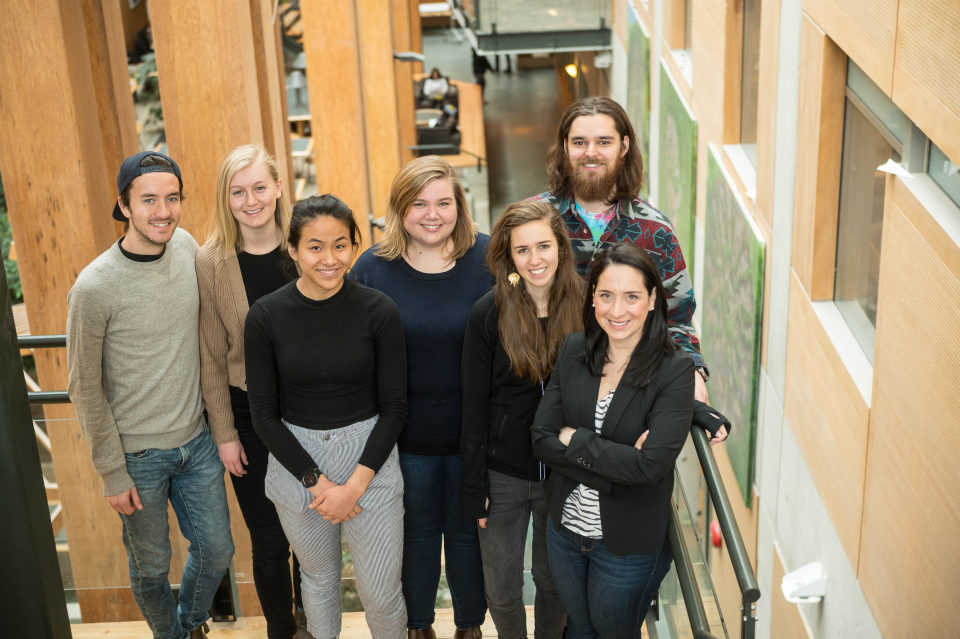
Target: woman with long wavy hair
513 335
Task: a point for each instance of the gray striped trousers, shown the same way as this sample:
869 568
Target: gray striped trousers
375 535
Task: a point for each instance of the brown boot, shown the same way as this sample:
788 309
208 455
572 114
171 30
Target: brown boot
200 633
421 633
473 632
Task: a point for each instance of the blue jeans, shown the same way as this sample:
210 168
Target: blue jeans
605 595
502 542
431 500
191 478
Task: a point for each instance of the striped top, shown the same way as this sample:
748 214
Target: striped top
581 510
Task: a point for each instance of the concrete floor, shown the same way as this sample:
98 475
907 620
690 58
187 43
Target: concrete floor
520 118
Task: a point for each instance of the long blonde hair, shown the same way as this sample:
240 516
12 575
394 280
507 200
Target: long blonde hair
532 351
407 185
225 234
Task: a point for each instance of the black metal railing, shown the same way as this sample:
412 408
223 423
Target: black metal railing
45 341
746 577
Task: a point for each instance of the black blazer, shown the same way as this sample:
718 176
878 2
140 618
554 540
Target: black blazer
634 485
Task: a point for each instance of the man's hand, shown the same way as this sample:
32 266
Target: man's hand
126 502
700 388
566 434
234 458
720 436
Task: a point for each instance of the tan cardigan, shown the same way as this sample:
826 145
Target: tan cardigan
223 310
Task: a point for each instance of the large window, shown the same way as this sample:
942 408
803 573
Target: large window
872 134
944 172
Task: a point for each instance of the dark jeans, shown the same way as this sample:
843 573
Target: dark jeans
433 517
190 478
502 542
271 551
605 595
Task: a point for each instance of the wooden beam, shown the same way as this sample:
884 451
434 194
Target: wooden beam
209 87
272 86
377 71
335 88
403 74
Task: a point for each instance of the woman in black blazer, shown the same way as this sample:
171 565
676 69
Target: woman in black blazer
611 425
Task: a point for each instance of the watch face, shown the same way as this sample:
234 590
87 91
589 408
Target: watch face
311 478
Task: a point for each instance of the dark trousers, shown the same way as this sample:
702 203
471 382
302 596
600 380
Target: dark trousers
433 519
605 595
271 550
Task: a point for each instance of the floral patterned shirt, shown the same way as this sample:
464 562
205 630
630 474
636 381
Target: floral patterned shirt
637 222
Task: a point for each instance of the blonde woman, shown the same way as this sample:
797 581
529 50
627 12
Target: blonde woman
431 263
240 262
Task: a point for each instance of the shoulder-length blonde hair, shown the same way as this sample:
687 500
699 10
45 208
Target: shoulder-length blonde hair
225 235
407 185
532 351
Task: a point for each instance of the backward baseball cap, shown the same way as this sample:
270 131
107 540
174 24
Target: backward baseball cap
132 168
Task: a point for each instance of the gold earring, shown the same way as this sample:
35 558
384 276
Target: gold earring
514 279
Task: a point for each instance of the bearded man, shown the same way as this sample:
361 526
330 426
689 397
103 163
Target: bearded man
595 174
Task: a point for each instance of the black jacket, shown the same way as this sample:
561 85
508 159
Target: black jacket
498 409
634 485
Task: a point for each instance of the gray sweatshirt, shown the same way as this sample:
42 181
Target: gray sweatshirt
133 355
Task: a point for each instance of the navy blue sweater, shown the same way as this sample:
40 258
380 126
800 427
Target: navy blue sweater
434 308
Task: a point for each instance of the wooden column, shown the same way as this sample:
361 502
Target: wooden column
330 42
377 70
268 54
403 73
66 123
210 92
416 33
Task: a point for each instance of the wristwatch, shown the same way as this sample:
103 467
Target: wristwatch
703 373
310 479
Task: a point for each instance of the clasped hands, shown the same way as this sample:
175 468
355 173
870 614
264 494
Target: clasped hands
334 502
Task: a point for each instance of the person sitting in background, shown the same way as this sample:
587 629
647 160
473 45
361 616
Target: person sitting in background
435 87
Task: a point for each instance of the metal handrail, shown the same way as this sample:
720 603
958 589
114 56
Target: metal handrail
44 341
746 578
696 613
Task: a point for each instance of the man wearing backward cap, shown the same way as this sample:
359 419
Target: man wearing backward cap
134 377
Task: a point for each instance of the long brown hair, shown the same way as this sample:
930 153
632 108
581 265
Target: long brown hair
407 185
532 351
631 176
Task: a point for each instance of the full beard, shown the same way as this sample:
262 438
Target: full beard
594 186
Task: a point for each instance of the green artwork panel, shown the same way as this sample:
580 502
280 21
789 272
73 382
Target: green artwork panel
678 164
638 85
731 309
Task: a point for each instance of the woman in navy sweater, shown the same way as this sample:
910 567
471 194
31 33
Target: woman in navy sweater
431 263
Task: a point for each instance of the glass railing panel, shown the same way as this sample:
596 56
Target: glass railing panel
527 16
690 508
672 622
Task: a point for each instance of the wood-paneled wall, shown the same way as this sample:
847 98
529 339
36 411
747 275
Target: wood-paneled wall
786 622
820 141
864 29
828 417
908 561
926 72
767 107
